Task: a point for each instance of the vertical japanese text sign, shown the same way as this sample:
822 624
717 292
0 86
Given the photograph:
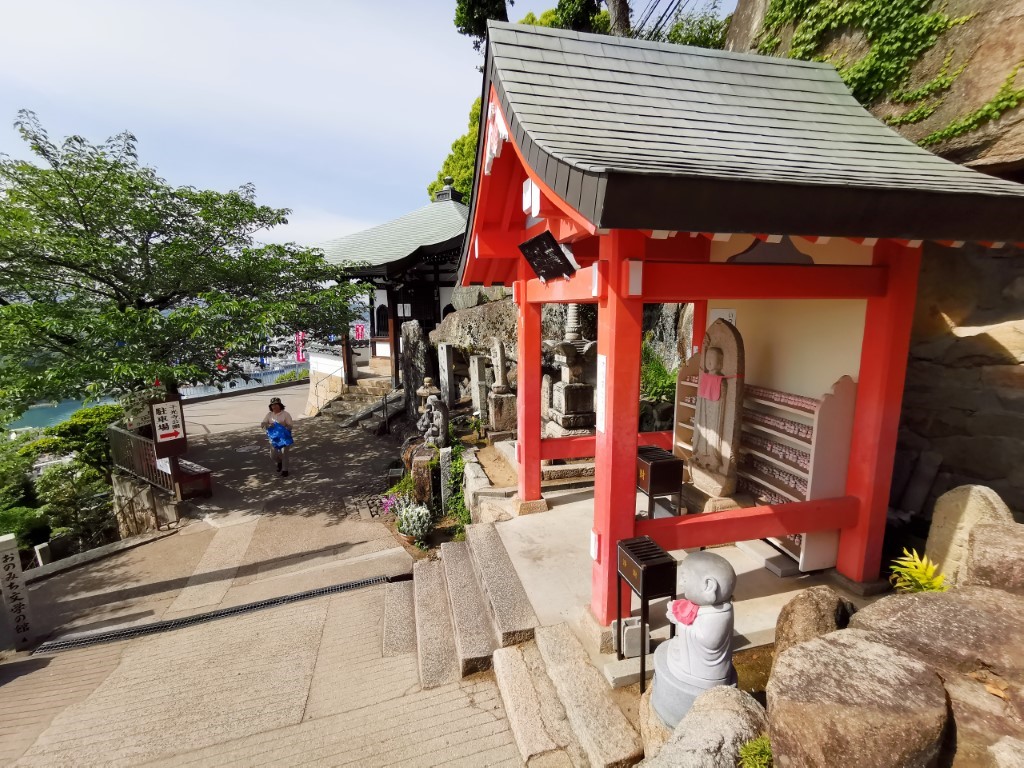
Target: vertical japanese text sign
15 594
168 429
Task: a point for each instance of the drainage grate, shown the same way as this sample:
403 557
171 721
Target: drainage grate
156 627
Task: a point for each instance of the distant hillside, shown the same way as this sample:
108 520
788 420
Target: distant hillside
948 75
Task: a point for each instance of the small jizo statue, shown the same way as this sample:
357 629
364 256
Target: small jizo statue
434 422
700 655
717 424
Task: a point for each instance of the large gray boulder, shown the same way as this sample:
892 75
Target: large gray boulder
995 557
974 638
720 721
475 328
846 699
813 613
956 513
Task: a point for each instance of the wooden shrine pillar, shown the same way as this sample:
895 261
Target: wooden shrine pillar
619 330
883 370
700 326
528 386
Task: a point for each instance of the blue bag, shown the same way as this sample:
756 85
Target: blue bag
279 435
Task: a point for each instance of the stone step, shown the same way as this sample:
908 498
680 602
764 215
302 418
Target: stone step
435 640
602 729
399 618
475 638
767 556
535 713
510 607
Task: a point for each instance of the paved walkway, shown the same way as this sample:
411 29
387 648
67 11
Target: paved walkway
305 683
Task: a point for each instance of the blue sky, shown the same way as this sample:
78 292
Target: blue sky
341 111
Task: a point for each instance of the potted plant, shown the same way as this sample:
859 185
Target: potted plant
414 522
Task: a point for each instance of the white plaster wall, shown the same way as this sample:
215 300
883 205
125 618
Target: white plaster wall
446 296
799 346
838 251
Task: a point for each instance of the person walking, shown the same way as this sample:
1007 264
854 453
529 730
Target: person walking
278 426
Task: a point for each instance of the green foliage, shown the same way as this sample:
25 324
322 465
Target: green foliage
84 434
916 115
111 278
28 524
899 32
702 27
471 18
298 375
756 753
403 487
77 497
547 19
1007 97
16 487
461 160
657 383
415 520
913 573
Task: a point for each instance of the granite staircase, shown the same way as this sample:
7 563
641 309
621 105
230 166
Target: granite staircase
468 612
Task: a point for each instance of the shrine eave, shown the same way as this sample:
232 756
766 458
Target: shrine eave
646 136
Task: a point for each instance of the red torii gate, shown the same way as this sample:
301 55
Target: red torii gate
642 233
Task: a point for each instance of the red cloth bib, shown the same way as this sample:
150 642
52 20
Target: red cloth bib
709 386
685 612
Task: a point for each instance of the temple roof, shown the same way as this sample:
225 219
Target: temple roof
432 229
642 135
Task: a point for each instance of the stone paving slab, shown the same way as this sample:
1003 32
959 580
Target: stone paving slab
399 619
213 576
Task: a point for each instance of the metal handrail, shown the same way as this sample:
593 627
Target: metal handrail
135 454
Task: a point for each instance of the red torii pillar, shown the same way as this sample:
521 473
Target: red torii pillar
528 383
619 329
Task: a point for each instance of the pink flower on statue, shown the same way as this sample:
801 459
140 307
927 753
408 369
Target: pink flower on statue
684 611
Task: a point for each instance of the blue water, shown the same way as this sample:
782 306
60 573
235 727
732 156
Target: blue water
46 415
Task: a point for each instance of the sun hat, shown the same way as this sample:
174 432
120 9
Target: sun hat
276 401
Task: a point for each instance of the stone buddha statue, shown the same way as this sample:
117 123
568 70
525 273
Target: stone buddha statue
700 655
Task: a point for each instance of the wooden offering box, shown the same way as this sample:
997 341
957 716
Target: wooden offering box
658 473
797 448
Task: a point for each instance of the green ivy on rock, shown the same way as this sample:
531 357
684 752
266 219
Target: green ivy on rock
1007 97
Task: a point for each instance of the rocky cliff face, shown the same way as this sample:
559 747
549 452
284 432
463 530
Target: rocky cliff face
989 47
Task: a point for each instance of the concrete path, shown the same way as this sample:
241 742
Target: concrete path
305 684
242 411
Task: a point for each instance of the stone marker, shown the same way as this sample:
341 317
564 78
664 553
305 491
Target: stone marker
501 403
571 410
434 422
844 699
995 557
478 385
14 593
716 433
422 475
956 513
446 476
415 363
446 374
699 657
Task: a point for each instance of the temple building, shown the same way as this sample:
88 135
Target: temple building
411 263
760 191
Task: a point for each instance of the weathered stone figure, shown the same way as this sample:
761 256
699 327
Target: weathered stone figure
434 422
500 386
700 655
716 433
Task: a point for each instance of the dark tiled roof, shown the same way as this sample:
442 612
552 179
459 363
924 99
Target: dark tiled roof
434 227
646 135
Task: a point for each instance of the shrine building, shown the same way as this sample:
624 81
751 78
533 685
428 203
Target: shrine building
757 189
411 263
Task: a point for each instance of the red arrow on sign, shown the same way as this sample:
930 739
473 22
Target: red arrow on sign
175 433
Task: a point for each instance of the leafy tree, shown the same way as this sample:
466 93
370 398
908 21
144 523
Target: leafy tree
77 499
83 434
16 489
471 17
111 278
547 19
461 160
701 27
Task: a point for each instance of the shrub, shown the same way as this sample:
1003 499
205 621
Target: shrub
29 525
297 375
84 433
657 383
415 520
756 753
914 573
77 497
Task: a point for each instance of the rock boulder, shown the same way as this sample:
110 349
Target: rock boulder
720 721
956 513
813 613
846 699
418 362
995 557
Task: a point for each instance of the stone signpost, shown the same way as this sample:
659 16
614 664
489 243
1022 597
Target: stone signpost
14 592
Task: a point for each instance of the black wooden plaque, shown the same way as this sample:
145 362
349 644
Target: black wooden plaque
546 257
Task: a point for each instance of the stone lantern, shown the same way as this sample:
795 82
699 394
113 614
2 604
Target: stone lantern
426 391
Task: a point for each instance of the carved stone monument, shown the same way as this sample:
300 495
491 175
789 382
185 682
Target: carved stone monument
571 411
434 422
501 403
716 434
478 385
446 373
14 596
699 657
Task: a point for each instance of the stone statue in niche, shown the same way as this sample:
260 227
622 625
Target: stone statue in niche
716 432
699 656
434 422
